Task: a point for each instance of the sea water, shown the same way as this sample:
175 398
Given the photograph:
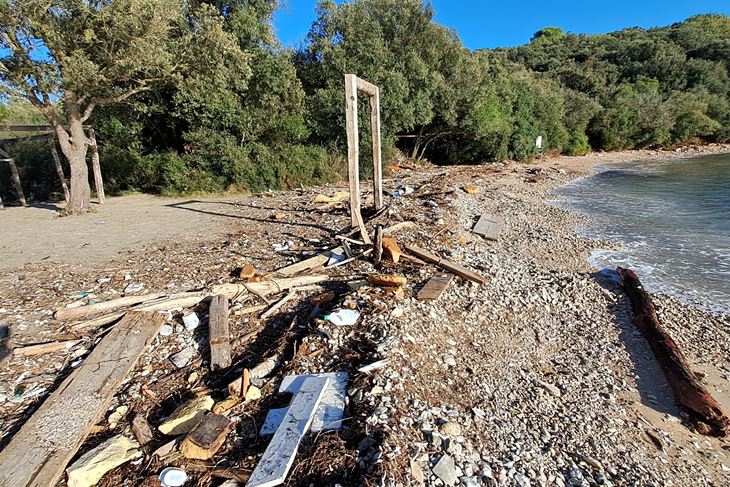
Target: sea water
671 217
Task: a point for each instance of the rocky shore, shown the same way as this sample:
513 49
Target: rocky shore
536 378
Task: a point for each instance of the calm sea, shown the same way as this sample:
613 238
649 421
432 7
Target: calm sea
673 218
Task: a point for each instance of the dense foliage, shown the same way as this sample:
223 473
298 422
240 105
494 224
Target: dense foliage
242 113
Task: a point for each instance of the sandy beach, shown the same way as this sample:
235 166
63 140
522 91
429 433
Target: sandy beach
536 378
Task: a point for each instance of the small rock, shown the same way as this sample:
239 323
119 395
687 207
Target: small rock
183 357
117 416
417 472
450 428
550 388
165 330
186 416
191 321
446 470
91 466
449 360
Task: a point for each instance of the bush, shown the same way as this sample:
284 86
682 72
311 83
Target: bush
577 145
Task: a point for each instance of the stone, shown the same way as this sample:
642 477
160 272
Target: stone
186 416
471 188
91 466
446 470
253 393
521 480
117 416
183 357
449 360
450 428
141 430
191 321
417 472
247 272
550 388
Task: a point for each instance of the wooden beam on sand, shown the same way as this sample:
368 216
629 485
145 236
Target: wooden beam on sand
446 264
687 388
219 333
38 453
435 286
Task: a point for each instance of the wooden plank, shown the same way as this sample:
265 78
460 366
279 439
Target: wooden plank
42 348
353 155
310 263
98 180
59 168
436 286
377 150
279 455
68 314
219 333
489 226
446 264
15 177
39 452
366 87
205 439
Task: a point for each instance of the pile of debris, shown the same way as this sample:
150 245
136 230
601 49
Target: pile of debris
240 372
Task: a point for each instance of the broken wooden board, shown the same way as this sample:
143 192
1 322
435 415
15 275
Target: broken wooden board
446 264
39 452
204 441
220 343
279 455
308 264
330 411
489 226
435 286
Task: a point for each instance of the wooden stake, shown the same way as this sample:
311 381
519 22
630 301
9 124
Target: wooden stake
688 390
16 182
59 167
98 181
378 247
353 154
377 151
446 264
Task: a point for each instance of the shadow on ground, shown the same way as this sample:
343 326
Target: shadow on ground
651 383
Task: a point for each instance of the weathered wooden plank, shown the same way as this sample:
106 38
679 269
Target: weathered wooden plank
366 87
59 168
98 180
307 264
330 410
39 452
489 226
15 177
377 151
435 286
279 455
353 155
219 333
446 264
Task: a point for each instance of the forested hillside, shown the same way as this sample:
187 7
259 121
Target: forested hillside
236 111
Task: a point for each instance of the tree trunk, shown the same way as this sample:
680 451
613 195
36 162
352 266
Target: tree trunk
59 168
74 146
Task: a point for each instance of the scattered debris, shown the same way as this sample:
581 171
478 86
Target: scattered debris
449 266
343 317
183 358
369 369
92 465
248 271
339 196
133 288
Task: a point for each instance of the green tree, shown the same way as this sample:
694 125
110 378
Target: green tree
88 53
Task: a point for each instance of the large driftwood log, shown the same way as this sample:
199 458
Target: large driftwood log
688 390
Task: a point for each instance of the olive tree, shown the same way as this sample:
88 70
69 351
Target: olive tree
67 57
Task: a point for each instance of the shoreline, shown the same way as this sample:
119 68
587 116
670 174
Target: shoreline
537 377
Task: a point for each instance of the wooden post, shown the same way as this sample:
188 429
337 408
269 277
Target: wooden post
98 181
353 154
377 151
59 168
16 182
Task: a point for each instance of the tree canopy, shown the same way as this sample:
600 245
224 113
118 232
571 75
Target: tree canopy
213 102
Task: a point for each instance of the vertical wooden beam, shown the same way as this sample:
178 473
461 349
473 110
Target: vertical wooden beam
59 168
98 181
377 151
16 182
353 154
219 334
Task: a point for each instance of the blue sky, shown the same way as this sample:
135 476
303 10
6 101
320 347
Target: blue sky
505 23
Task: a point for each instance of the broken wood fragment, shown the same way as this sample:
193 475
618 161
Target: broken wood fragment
35 456
391 250
446 264
276 306
687 388
386 280
69 314
267 286
92 465
141 429
41 348
186 416
435 286
204 441
489 226
219 333
378 245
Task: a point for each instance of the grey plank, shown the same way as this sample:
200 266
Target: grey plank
279 455
435 286
489 226
219 333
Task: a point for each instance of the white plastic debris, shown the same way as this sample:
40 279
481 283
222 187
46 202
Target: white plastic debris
173 477
191 321
368 369
133 288
166 330
343 317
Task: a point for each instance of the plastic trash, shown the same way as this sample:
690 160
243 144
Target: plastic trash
343 317
165 330
191 321
173 477
133 288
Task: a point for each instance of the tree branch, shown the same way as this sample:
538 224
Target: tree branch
111 99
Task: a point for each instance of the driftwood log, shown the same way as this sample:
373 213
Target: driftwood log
688 390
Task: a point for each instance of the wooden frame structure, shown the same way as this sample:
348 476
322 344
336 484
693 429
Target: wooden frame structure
353 86
46 131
